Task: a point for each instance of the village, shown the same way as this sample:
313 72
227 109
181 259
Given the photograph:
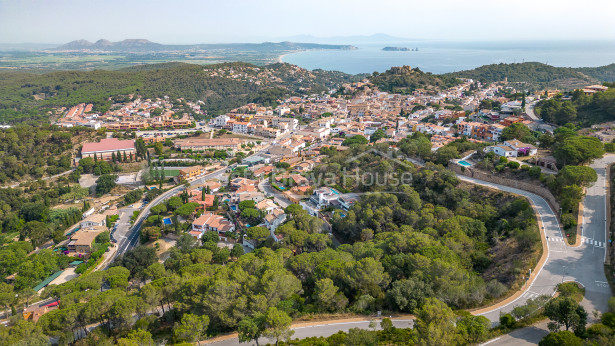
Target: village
291 135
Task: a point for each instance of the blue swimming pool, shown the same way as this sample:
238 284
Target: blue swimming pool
464 163
233 207
167 221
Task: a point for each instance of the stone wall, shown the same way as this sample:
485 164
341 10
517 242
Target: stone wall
521 185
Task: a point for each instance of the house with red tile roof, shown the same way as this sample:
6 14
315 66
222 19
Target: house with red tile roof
196 196
210 222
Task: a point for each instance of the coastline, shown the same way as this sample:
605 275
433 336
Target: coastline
280 57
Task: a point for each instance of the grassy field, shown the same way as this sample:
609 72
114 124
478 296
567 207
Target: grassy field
171 172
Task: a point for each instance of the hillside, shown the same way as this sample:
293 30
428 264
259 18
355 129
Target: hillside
602 73
406 80
581 109
143 45
222 87
532 75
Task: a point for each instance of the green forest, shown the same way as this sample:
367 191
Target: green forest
579 109
532 75
602 73
31 152
430 242
406 80
25 96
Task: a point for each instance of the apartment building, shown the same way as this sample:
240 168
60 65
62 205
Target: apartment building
106 147
231 144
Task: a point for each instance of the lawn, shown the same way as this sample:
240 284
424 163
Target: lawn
171 172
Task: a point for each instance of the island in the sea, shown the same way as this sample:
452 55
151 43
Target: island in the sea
400 49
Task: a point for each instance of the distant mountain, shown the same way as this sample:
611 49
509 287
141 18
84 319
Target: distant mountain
142 45
102 44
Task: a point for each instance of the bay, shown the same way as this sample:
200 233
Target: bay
442 57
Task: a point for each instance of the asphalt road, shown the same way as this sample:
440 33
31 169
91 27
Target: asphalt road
318 330
529 110
130 238
582 264
278 197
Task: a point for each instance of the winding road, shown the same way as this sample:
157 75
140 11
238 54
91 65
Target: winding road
582 263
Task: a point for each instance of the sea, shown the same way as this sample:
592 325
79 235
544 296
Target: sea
443 56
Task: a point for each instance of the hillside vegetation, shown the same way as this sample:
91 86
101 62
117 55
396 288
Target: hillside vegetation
222 87
532 75
602 73
406 80
581 109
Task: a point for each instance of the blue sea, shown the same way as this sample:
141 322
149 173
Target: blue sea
442 57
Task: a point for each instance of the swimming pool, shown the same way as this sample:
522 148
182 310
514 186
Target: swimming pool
167 221
464 163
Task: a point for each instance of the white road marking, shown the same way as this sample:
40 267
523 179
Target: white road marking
490 341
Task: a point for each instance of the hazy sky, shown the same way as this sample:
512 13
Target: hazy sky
210 21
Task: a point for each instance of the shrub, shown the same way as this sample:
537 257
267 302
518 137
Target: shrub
513 164
612 304
503 159
507 320
569 221
534 172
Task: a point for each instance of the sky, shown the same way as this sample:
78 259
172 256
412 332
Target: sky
218 21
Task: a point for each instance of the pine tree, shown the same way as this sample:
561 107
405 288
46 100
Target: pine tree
130 157
125 157
118 155
95 157
203 195
113 157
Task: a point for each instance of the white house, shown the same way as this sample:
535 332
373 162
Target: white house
522 149
221 120
240 127
501 150
93 221
274 219
323 196
510 107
